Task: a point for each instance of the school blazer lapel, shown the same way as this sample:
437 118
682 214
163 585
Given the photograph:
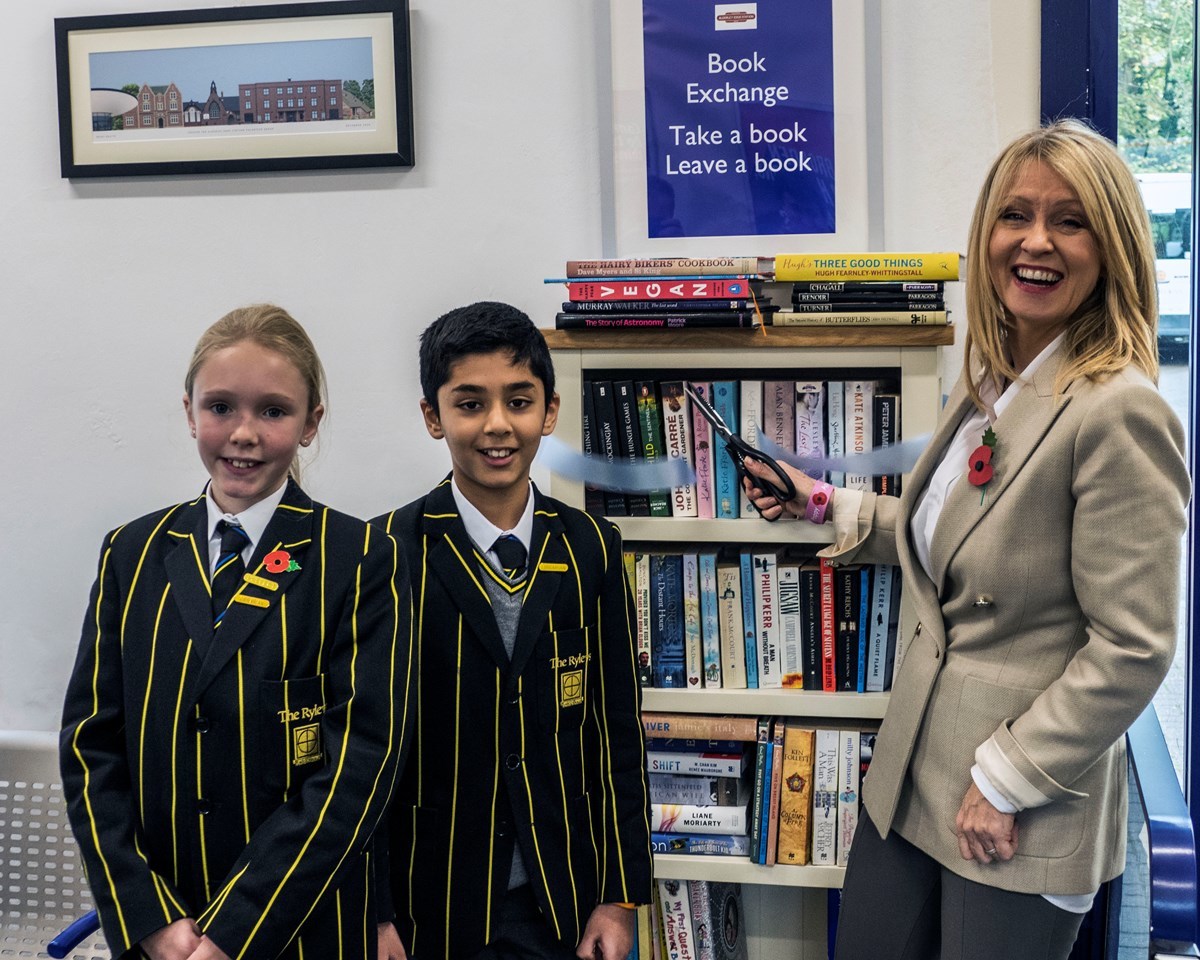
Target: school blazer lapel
549 562
451 557
187 571
1019 430
291 529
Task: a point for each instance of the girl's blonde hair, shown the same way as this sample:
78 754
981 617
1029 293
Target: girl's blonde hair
1116 325
275 329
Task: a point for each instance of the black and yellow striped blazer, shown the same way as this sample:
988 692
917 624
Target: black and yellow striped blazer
557 730
237 777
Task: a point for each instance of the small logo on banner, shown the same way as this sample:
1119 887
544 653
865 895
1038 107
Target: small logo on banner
736 16
306 744
571 689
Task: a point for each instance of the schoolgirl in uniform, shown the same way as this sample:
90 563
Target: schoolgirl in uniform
238 710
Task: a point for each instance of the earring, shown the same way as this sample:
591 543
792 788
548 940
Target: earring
193 433
305 443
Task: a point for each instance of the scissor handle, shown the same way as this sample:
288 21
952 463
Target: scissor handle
783 491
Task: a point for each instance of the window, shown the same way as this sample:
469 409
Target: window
174 118
158 101
333 101
145 98
174 105
146 105
279 104
291 103
333 89
266 118
312 102
249 105
174 96
312 89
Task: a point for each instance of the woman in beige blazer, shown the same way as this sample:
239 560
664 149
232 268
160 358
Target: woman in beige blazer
1044 581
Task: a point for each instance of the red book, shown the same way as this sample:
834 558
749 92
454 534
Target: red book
658 289
828 630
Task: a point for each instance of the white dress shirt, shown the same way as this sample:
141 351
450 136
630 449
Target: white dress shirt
484 533
253 520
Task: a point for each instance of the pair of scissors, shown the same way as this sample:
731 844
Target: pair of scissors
738 450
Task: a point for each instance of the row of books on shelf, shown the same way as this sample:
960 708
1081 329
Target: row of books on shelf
764 620
779 791
692 920
885 266
632 421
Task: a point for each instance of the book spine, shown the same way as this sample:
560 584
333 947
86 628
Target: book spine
766 612
887 434
652 441
749 621
683 843
698 726
606 440
881 598
701 904
645 932
644 610
776 786
751 424
891 660
868 306
677 919
695 764
866 298
664 267
824 812
860 416
795 801
729 613
593 497
691 818
725 480
835 426
726 921
702 438
698 791
667 636
779 413
861 318
871 287
810 422
657 306
710 631
870 266
629 441
848 773
706 745
677 432
810 625
828 630
790 667
670 321
671 290
656 926
760 774
864 625
693 643
846 599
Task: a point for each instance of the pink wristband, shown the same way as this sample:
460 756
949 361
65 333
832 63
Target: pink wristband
818 502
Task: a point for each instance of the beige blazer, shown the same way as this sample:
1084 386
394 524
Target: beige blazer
1047 626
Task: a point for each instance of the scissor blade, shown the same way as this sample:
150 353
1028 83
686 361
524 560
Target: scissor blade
709 412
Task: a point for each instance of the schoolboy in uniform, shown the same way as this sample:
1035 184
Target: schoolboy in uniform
520 823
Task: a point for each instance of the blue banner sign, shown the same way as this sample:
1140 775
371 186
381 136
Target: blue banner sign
739 117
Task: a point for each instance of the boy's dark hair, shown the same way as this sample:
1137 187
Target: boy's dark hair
481 328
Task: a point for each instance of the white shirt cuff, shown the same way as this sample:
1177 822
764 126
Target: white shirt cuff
1005 779
990 793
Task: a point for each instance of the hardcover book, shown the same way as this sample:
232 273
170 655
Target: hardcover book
790 642
847 805
699 791
679 289
861 318
702 445
645 616
693 643
717 908
725 267
835 426
667 626
677 431
829 677
629 441
810 422
860 428
696 764
825 785
750 425
605 408
701 844
749 620
678 933
868 266
766 612
689 818
593 497
710 630
729 613
887 434
725 480
698 726
652 441
795 799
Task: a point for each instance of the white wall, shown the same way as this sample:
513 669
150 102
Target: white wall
108 284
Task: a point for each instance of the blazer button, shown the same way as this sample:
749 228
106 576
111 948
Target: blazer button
983 600
203 807
512 761
202 725
514 699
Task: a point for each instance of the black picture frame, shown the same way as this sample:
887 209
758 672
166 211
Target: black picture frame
171 135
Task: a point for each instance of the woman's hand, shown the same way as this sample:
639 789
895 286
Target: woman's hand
984 833
390 947
767 504
175 941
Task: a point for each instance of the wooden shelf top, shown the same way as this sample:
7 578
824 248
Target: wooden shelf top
740 870
763 338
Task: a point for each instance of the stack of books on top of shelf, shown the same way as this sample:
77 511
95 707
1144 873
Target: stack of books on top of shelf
873 289
665 293
797 800
646 420
764 620
692 920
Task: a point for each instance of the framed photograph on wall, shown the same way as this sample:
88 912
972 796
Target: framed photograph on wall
740 127
294 86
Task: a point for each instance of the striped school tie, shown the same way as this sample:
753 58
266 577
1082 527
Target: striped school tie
227 577
512 555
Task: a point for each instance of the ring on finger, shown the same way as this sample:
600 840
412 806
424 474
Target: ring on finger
991 851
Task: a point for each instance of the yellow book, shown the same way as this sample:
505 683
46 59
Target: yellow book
868 266
869 318
795 800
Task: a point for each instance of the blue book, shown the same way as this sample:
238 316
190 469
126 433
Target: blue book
864 625
749 619
716 845
764 822
667 653
710 631
725 481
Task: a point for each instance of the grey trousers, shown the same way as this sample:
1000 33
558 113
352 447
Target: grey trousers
900 904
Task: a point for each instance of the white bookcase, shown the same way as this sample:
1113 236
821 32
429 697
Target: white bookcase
785 905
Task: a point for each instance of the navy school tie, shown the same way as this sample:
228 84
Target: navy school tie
227 576
512 555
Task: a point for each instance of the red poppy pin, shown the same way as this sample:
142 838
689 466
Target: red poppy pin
280 561
979 464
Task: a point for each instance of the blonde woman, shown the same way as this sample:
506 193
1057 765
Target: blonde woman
1039 537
